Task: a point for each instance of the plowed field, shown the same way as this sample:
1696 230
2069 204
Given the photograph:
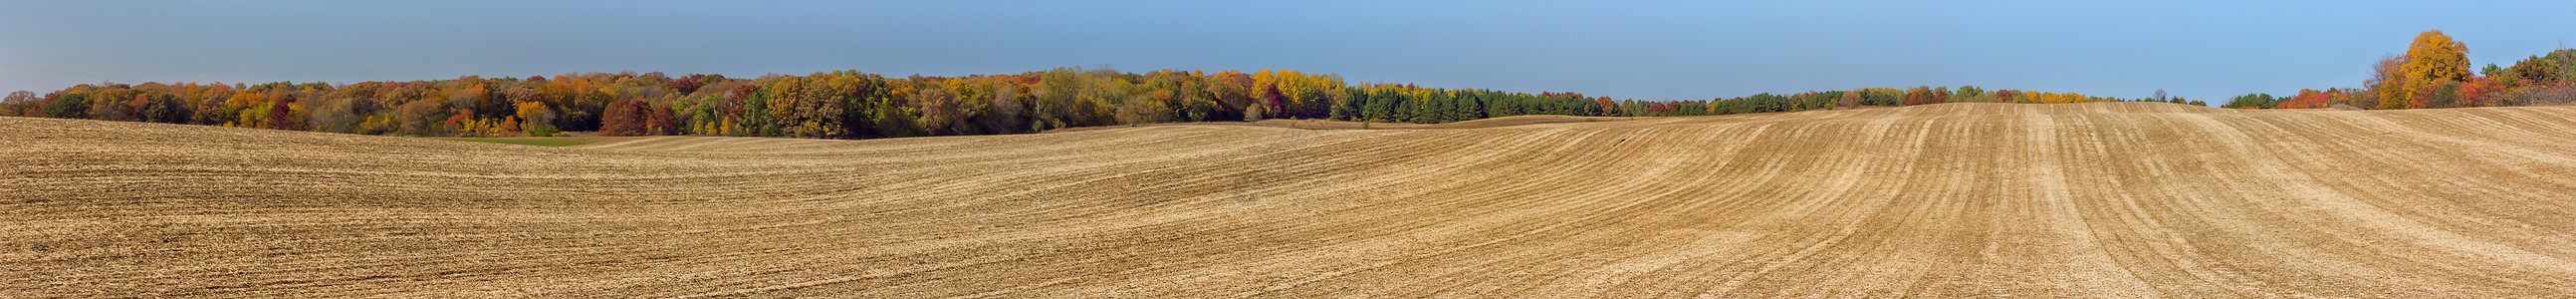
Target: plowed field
1949 200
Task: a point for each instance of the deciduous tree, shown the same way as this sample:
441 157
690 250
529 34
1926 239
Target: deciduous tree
2535 70
2432 59
2388 84
20 103
941 110
535 119
1919 95
68 106
625 117
282 115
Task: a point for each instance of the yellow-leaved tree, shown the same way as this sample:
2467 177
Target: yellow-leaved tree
2433 58
2388 83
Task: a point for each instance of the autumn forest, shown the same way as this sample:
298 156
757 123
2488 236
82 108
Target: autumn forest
2433 73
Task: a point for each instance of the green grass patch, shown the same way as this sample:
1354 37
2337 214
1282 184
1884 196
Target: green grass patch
536 141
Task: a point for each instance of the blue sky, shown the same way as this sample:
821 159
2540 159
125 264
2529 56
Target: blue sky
1650 50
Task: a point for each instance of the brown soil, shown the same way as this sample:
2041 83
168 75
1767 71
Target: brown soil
1950 200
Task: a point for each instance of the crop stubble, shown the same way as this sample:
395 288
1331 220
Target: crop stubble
2106 199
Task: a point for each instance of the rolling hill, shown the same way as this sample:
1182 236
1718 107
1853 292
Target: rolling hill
1946 200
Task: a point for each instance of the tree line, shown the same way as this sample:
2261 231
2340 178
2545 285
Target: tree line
1813 100
853 104
2434 73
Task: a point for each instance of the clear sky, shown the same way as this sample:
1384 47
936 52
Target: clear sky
1648 50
